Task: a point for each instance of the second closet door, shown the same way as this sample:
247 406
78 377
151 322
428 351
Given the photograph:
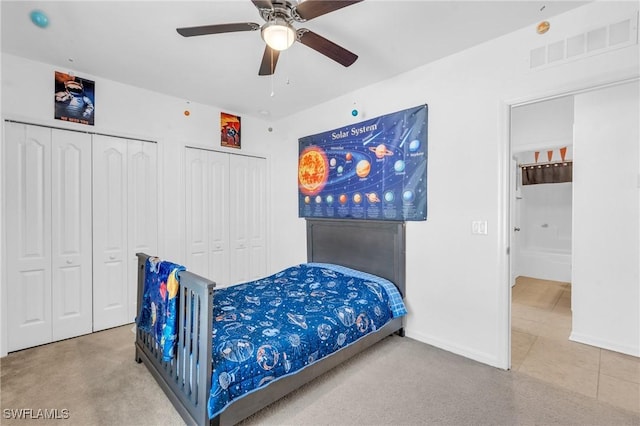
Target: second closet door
71 260
125 216
225 216
247 222
207 213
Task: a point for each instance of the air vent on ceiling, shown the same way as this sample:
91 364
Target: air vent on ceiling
595 41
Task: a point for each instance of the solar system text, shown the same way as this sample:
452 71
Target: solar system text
355 131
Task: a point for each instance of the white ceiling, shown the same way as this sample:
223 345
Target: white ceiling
135 42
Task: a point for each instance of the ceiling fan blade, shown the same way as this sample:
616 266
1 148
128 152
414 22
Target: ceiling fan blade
326 47
269 61
218 29
310 9
262 4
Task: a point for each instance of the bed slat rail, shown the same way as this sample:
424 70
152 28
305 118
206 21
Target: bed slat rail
186 379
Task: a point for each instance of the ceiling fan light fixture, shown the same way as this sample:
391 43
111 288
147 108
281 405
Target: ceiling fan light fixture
278 34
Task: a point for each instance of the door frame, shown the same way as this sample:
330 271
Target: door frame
505 236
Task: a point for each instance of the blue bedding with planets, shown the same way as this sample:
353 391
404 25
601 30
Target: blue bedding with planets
158 311
275 326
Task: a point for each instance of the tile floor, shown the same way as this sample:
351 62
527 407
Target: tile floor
540 347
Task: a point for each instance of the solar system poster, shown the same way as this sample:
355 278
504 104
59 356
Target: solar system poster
375 169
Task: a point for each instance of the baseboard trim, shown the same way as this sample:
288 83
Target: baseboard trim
604 344
466 352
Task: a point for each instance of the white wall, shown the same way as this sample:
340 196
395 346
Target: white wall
121 110
606 220
457 283
547 217
544 250
541 125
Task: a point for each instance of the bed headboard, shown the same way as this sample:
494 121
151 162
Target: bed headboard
376 247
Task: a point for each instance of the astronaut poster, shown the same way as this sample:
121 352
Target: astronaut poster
229 130
74 99
375 169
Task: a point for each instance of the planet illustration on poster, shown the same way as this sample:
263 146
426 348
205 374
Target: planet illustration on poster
363 168
381 151
307 199
408 196
313 170
348 156
329 199
389 197
399 166
342 199
414 145
332 162
318 199
373 197
340 169
357 198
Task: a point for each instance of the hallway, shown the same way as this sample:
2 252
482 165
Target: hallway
540 347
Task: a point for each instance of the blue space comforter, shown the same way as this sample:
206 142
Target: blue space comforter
275 326
158 312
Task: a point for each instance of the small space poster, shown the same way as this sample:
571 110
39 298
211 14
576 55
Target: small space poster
375 169
74 99
229 130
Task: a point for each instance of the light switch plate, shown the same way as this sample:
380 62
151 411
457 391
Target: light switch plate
479 227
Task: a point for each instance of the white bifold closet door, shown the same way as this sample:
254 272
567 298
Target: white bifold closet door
125 221
207 213
48 218
225 216
247 222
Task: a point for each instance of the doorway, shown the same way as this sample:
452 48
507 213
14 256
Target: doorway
576 354
541 143
541 195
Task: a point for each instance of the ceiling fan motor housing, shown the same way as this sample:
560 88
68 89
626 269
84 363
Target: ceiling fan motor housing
285 10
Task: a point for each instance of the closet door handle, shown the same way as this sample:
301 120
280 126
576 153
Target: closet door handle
516 229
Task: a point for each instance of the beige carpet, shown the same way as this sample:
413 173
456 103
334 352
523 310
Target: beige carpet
397 382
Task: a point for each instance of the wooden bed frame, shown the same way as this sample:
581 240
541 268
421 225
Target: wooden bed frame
377 247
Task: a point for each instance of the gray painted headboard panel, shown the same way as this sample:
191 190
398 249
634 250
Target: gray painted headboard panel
376 247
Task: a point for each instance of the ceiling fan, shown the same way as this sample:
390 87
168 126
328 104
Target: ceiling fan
279 33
